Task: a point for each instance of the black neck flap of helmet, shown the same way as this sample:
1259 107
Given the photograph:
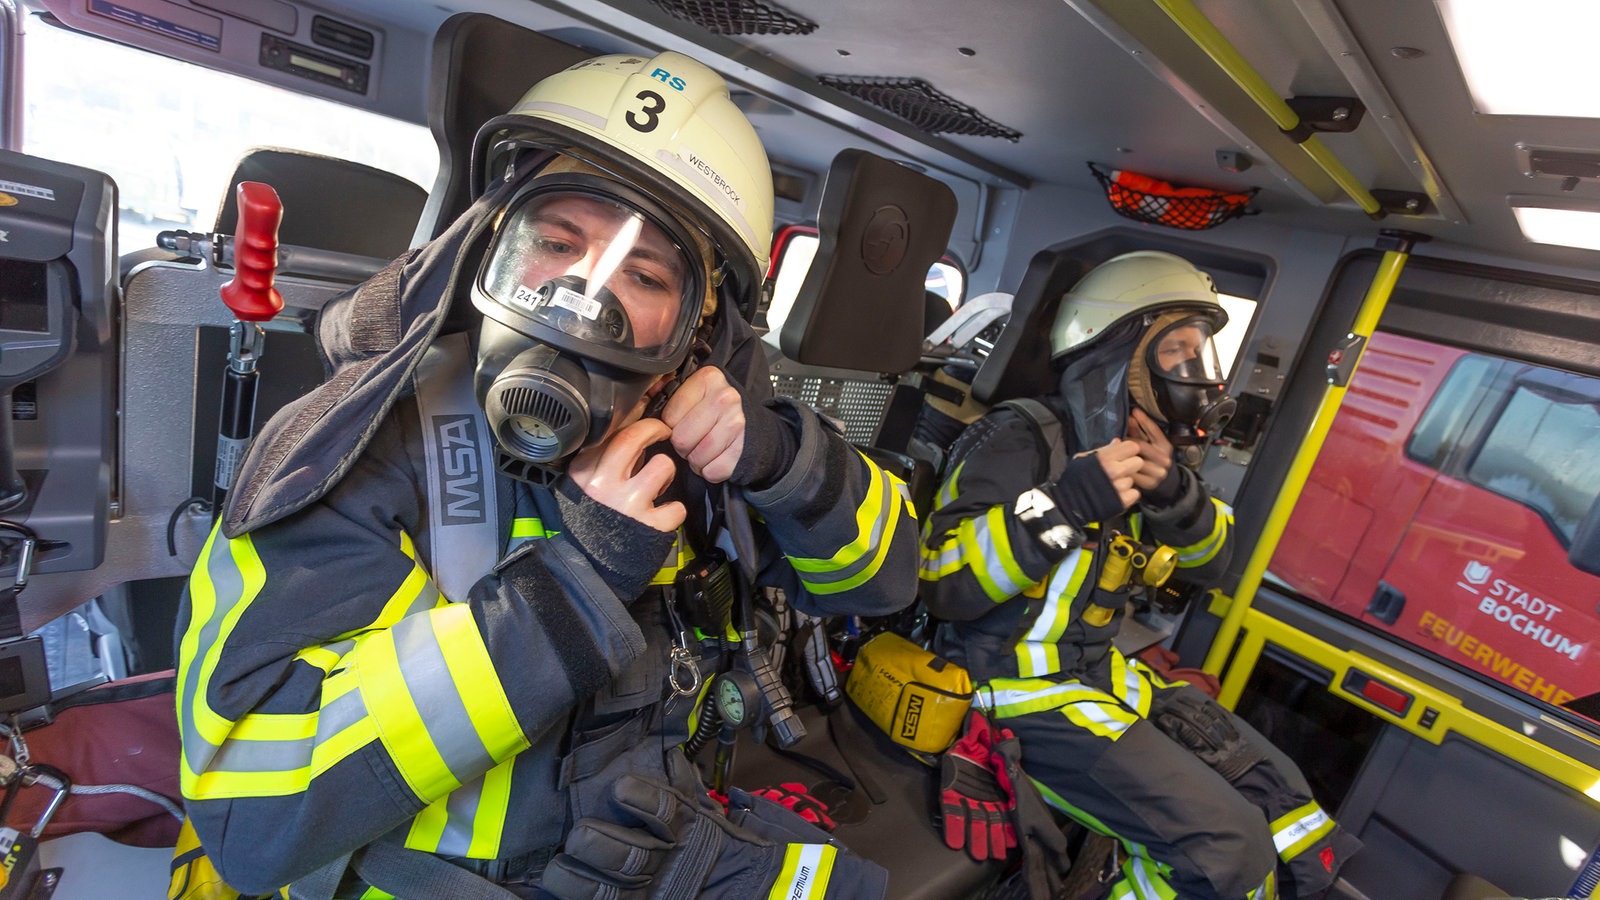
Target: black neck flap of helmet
1093 383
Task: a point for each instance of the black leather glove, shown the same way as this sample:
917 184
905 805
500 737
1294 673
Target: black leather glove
659 844
1084 493
1206 728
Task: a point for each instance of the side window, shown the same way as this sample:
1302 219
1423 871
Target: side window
169 133
1541 451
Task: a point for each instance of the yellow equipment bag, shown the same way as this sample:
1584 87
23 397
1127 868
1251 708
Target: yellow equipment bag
918 698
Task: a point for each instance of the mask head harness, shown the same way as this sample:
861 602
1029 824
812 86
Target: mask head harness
591 291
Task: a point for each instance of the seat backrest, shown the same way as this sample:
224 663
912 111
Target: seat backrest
375 213
881 226
482 66
173 350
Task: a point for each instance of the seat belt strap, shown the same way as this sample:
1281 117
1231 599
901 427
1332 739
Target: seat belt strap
463 524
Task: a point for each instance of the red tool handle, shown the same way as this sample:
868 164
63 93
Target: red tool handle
250 294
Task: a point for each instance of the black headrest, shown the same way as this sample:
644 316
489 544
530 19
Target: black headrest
483 65
330 204
881 226
1019 365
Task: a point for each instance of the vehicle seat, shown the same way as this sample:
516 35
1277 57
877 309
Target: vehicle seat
173 350
860 316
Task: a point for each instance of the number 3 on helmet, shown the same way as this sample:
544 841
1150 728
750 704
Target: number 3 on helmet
664 124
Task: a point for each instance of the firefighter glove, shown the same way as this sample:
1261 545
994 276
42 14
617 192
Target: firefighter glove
793 796
1206 728
975 794
657 843
1084 493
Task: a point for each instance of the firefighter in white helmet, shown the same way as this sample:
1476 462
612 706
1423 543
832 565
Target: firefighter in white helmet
451 626
1055 511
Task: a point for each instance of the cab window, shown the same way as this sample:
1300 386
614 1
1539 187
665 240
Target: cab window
1541 451
169 133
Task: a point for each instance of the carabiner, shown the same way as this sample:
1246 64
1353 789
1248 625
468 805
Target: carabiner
684 667
30 542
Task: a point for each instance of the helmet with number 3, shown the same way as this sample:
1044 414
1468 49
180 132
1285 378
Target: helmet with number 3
665 125
637 202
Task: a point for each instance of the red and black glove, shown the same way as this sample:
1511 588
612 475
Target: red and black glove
793 796
975 794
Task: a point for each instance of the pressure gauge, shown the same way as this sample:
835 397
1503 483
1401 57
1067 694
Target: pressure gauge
737 697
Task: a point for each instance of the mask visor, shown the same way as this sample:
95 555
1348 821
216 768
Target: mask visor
601 275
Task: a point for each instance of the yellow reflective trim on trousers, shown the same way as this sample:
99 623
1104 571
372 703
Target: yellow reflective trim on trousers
1093 710
1295 831
1147 878
373 893
1080 816
806 871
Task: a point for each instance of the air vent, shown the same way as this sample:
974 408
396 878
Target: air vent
921 104
737 16
336 35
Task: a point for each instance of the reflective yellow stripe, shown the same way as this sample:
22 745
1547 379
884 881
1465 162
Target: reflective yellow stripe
373 893
1204 550
488 827
986 549
1130 684
428 826
1148 878
462 725
226 578
530 527
1039 653
949 492
805 873
1090 709
1298 829
856 562
415 594
938 562
680 555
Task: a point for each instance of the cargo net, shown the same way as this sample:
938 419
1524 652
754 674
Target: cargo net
921 104
1146 199
737 16
859 405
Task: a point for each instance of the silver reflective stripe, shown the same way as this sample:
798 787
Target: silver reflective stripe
227 584
462 547
437 700
462 808
983 531
1295 831
869 554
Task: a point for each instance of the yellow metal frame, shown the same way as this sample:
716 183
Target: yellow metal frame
1206 36
1452 718
1366 320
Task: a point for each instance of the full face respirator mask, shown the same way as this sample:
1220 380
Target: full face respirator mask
590 292
1178 379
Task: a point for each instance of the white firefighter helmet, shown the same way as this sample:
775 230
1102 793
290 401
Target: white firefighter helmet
1144 281
666 125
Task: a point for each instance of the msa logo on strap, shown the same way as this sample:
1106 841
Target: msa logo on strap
460 476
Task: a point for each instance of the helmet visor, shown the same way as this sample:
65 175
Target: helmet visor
596 275
1185 352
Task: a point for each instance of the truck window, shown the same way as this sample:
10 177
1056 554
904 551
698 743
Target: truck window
1447 414
1541 451
169 133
